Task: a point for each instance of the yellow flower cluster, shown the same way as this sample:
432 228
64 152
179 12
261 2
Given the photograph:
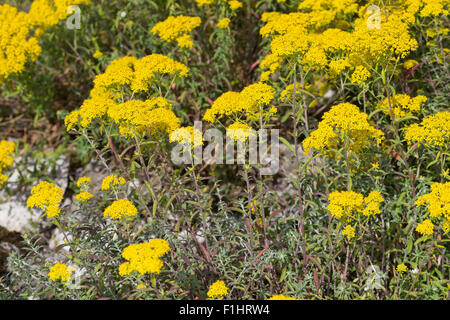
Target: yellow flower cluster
60 271
6 159
233 4
246 103
97 54
133 116
432 131
349 232
83 182
402 268
402 105
425 228
144 257
217 290
46 196
20 32
343 121
177 28
410 64
111 181
119 209
346 204
149 67
239 131
438 202
204 2
427 8
281 297
360 75
307 37
144 117
223 23
84 196
187 136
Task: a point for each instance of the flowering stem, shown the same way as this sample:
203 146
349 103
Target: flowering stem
116 155
397 135
301 229
74 252
197 191
249 197
147 175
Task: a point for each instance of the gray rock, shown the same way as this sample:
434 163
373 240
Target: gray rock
14 214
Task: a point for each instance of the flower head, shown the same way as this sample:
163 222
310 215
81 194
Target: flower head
425 228
46 196
349 232
119 209
6 158
97 54
144 257
281 297
223 23
217 290
60 271
402 268
112 181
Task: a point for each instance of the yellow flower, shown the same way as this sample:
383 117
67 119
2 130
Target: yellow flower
119 209
438 200
223 23
346 204
46 196
360 75
147 69
246 103
185 41
141 286
281 297
144 257
343 120
433 131
217 290
188 136
349 232
372 203
306 36
402 268
410 64
204 2
148 117
112 180
240 131
234 4
6 158
97 54
177 28
446 226
84 196
83 182
59 271
137 75
254 205
425 228
20 32
402 105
